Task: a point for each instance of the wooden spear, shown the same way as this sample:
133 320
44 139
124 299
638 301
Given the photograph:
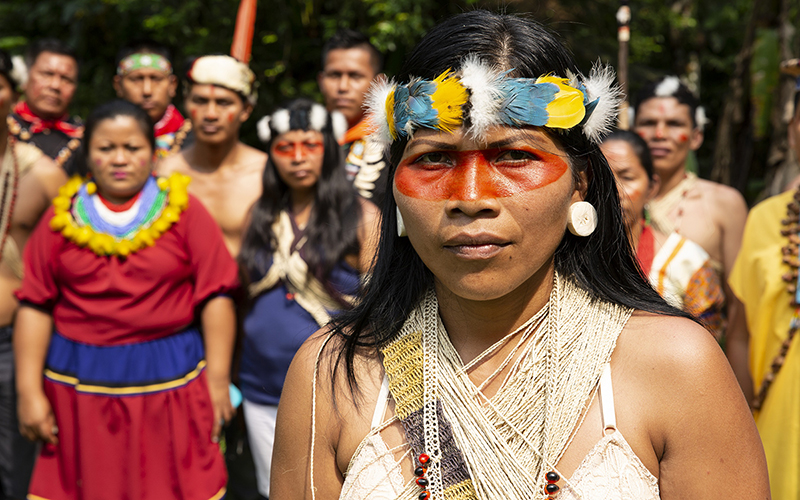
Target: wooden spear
623 36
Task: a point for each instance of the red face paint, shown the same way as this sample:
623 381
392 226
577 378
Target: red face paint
230 117
683 138
474 175
194 114
299 150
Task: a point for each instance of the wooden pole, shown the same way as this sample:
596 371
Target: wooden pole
243 33
623 36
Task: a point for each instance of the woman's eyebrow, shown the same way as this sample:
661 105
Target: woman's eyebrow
435 144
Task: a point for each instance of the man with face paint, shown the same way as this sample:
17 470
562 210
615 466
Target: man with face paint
145 77
43 118
226 173
28 181
350 63
766 363
670 120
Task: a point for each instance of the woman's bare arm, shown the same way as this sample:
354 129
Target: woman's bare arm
32 332
291 456
219 331
701 424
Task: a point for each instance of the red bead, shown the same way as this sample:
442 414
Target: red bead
551 489
419 471
422 482
424 459
552 477
290 296
425 495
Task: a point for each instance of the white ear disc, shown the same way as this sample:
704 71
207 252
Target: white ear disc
401 226
582 218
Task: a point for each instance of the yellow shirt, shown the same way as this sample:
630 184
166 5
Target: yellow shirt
756 280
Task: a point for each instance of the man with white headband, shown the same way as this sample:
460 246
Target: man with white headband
226 173
712 215
145 77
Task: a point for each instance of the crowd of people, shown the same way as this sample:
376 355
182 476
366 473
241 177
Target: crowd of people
459 282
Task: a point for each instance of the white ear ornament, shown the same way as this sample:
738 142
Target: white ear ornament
401 226
582 218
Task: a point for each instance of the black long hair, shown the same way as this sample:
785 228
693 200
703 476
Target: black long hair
332 229
602 263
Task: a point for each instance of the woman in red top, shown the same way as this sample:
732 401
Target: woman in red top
131 276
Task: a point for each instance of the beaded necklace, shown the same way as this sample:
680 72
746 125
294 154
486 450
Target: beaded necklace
9 180
791 229
78 215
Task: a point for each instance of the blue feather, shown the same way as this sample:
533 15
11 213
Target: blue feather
401 109
420 104
526 102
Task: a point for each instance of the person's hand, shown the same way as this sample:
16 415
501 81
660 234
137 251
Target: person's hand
36 418
221 402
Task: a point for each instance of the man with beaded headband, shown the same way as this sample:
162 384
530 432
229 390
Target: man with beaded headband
226 173
43 117
670 119
28 181
504 296
145 77
764 277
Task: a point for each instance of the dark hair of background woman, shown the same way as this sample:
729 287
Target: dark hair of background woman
109 111
638 146
602 263
332 229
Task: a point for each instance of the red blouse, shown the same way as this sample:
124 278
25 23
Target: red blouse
151 294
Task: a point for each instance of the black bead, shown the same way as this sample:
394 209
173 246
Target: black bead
422 482
551 488
552 477
419 471
425 495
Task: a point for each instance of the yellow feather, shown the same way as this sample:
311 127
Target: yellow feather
390 114
447 100
566 109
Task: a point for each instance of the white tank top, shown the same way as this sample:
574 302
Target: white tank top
610 470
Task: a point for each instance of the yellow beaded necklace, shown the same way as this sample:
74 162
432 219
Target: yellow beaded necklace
106 244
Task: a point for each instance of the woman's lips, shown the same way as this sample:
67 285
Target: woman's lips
475 247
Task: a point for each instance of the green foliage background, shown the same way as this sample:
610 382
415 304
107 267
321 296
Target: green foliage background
684 37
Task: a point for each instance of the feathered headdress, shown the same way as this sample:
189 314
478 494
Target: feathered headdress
483 96
315 117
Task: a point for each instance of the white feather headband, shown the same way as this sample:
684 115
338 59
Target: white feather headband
317 119
491 98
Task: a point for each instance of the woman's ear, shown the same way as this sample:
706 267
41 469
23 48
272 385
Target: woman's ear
582 182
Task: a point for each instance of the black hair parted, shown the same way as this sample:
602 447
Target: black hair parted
109 111
639 147
351 39
602 263
144 46
52 45
680 92
332 229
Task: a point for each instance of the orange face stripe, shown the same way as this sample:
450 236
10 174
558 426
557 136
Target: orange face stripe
472 175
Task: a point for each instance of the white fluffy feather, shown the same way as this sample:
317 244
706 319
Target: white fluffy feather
600 84
485 97
317 117
19 71
375 104
281 121
700 117
338 125
262 127
668 86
